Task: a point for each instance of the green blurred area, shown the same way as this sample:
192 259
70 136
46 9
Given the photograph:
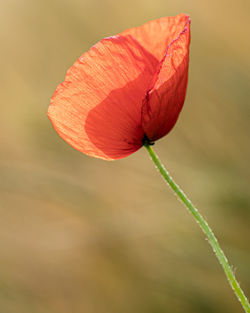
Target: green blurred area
79 234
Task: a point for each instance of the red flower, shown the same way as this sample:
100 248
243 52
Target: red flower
124 89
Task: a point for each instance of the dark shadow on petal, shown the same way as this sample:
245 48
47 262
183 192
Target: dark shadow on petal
114 126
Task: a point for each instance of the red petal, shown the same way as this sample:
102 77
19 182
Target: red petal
164 101
97 109
155 36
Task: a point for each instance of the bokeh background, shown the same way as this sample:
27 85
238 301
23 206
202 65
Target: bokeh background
79 234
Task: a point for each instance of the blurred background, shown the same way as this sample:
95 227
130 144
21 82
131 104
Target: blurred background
78 234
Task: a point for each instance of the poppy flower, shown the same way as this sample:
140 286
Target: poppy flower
126 89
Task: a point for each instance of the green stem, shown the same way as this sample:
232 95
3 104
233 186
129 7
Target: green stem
204 226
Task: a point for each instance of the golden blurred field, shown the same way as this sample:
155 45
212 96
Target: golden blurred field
81 235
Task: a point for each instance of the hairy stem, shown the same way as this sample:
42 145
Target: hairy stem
205 228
